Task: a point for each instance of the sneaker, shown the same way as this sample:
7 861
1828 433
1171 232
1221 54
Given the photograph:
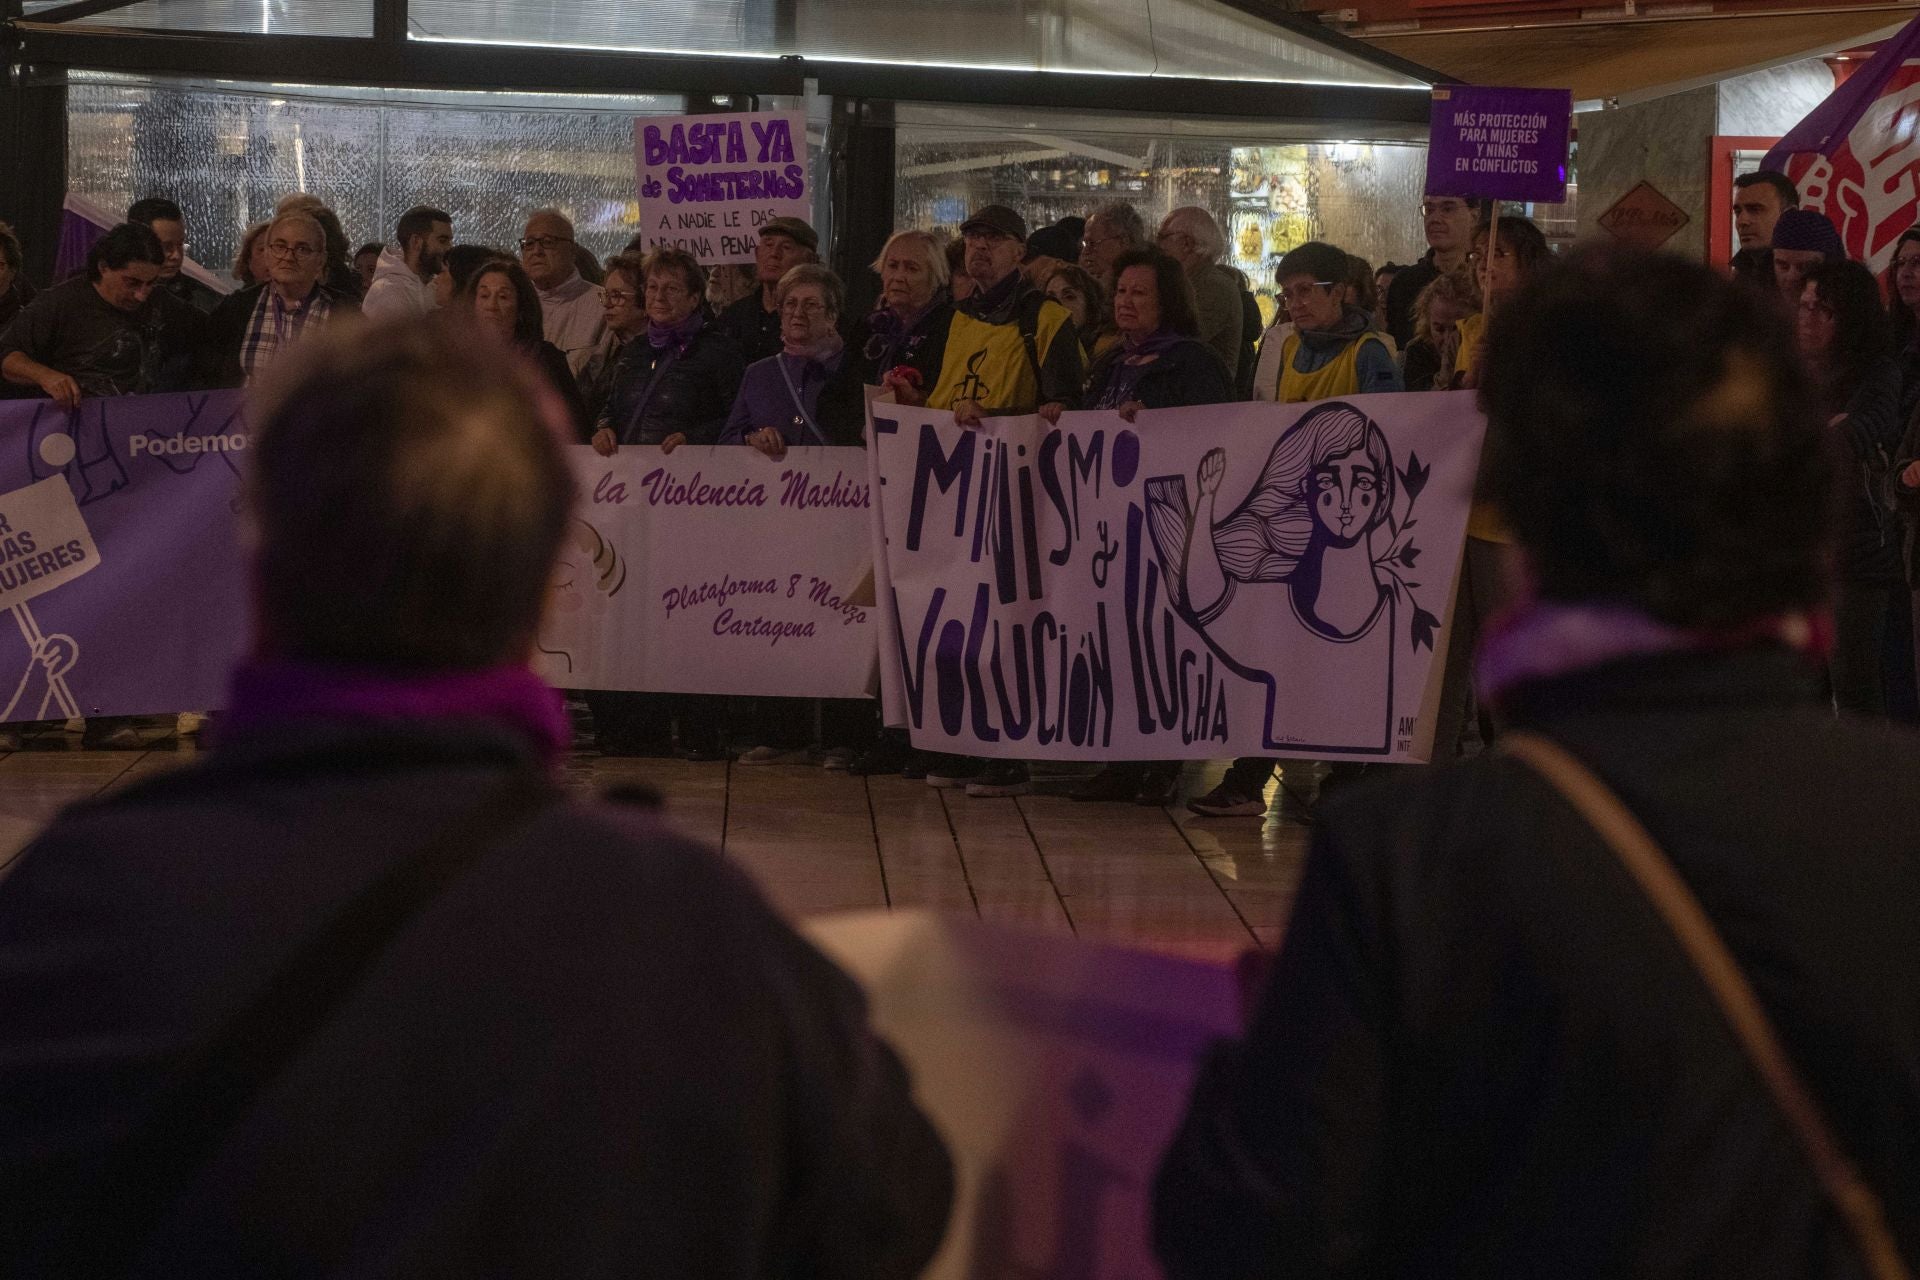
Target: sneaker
706 753
1112 785
946 772
10 740
837 759
1225 802
189 723
1001 778
764 755
74 724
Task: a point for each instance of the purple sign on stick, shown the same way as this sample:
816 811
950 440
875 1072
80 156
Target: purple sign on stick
1499 144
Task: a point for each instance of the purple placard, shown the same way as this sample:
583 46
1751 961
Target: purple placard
1499 144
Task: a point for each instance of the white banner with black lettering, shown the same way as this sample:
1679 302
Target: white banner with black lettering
715 570
1249 579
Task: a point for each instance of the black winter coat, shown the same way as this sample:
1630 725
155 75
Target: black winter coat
1189 372
1871 532
692 390
596 1053
1481 1053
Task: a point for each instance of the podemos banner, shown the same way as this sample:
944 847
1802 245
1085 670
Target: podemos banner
715 570
1250 579
121 577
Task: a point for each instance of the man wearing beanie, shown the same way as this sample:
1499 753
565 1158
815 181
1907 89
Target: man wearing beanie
1801 240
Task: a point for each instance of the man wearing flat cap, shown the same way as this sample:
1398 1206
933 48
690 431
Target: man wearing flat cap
1005 351
754 321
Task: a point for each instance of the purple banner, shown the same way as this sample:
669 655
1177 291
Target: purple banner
141 608
1499 144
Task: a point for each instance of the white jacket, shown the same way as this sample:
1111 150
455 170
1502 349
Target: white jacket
396 292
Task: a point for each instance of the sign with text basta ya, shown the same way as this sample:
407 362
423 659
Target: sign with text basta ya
1499 144
709 183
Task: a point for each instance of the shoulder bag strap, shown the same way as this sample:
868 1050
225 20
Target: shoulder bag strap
112 1214
1635 847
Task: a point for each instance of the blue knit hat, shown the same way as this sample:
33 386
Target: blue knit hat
1805 229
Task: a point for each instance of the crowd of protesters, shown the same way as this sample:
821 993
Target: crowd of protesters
364 991
655 348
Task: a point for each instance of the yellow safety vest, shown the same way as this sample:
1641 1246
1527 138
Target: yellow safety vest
1484 521
989 362
1340 376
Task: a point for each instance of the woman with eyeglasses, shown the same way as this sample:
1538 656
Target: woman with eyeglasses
623 294
678 385
810 393
1502 265
1846 347
250 329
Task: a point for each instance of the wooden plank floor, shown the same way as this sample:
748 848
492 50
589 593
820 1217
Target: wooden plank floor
820 842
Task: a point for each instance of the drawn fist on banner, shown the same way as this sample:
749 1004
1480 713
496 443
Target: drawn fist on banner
1213 469
57 654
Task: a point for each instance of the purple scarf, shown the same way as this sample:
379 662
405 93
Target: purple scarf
1541 640
662 336
266 694
1125 371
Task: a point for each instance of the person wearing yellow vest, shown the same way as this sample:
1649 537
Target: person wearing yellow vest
1502 266
1010 350
1332 351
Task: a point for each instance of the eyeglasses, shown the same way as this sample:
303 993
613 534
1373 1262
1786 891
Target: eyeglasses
1095 241
544 242
281 249
802 306
1446 207
1301 292
617 297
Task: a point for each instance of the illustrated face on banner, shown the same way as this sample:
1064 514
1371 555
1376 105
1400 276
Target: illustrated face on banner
1346 499
1308 523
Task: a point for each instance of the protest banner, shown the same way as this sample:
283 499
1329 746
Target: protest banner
708 183
1246 579
1499 144
117 523
1055 1070
715 570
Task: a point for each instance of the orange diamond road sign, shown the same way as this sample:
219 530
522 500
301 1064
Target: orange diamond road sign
1644 218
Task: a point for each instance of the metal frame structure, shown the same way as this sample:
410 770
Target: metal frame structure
80 35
